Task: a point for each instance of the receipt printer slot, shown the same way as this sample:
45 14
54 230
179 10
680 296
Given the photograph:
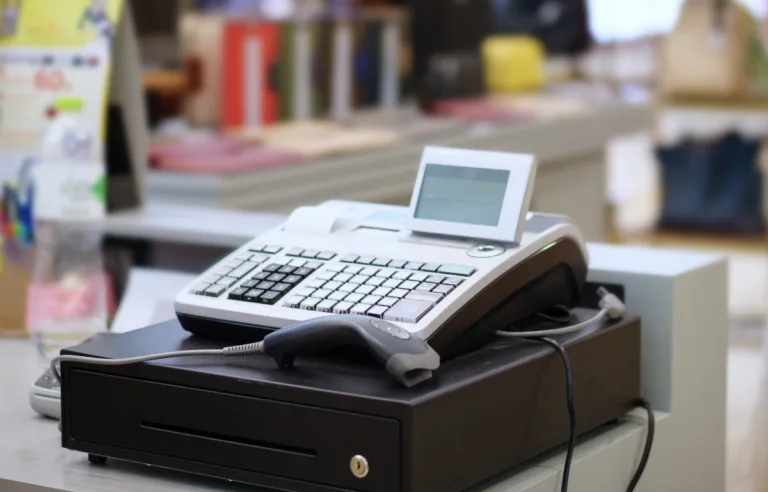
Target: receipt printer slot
251 434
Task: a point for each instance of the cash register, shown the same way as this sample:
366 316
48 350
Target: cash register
465 260
465 264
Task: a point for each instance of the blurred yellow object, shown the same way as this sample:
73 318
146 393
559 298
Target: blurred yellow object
513 64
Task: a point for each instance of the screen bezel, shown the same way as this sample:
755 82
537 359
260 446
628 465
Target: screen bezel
517 198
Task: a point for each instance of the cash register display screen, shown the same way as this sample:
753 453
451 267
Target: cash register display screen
462 194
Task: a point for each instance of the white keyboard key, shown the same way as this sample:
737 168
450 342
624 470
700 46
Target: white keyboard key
293 301
309 304
371 300
337 296
321 293
342 307
360 309
382 292
343 277
377 311
325 275
399 293
354 298
430 297
243 270
326 306
388 301
364 289
386 273
375 281
401 275
391 284
358 279
408 311
333 285
304 292
409 285
347 288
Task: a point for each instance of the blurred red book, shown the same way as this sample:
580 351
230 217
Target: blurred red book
220 157
476 111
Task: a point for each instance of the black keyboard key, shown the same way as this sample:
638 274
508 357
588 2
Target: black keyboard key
397 264
365 260
272 249
287 270
310 253
250 284
326 255
261 276
253 295
282 288
215 290
270 297
295 252
276 277
382 262
414 265
350 258
265 285
292 279
237 294
431 267
272 267
303 271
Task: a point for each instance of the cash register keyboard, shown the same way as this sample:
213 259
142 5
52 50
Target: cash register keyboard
395 290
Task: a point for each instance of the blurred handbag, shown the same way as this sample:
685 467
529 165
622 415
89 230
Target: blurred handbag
707 53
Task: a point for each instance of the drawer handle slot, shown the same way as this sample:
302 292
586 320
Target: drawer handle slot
200 434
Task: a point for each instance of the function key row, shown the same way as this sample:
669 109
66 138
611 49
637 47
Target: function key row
311 254
460 270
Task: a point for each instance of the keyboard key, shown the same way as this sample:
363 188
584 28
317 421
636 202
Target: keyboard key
232 264
351 258
222 271
360 309
272 249
382 262
298 263
354 298
249 284
409 285
343 277
365 289
358 279
215 290
424 296
304 292
371 300
436 279
280 260
337 296
253 295
414 265
392 284
398 293
276 277
370 271
265 285
431 267
375 281
397 264
259 258
261 276
321 293
426 287
303 272
408 311
257 248
386 272
335 267
243 270
272 267
419 277
455 282
462 270
326 306
199 289
353 269
315 284
237 294
381 291
347 288
326 255
388 301
287 270
294 252
270 297
310 253
333 285
443 289
314 265
293 301
365 260
325 275
282 288
244 256
309 304
226 281
343 307
401 275
377 311
292 279
212 279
